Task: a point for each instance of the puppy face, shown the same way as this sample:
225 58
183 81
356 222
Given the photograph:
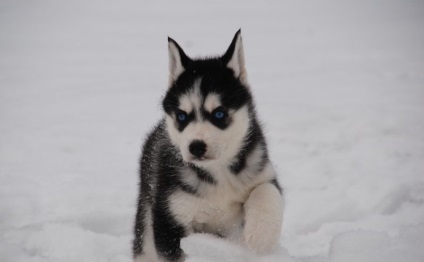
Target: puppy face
205 128
207 104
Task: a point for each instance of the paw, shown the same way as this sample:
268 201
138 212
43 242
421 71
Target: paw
261 236
145 258
155 258
179 256
263 218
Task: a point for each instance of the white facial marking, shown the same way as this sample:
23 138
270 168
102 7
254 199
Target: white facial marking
212 101
193 99
186 104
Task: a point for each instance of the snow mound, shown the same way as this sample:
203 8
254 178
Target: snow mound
208 248
70 242
372 246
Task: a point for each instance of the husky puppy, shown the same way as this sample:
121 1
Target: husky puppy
205 166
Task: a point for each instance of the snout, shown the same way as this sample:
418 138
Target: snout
197 148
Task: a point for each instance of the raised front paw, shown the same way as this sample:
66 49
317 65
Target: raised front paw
263 218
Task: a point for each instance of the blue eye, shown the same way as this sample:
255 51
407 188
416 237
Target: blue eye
182 117
219 115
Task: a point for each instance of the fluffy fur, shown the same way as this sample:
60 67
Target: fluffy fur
205 166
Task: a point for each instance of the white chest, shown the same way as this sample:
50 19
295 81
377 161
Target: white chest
215 208
207 215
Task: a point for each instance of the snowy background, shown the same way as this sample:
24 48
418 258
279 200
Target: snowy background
339 86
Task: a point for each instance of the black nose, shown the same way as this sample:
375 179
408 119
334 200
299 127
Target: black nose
197 148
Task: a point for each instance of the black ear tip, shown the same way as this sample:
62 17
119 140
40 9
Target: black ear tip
237 35
174 43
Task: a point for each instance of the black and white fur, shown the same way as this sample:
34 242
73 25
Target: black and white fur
205 166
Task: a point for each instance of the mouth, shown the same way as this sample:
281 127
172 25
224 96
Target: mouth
200 159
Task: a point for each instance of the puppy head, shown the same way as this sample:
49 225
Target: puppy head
208 103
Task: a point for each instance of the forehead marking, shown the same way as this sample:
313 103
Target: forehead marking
212 101
192 100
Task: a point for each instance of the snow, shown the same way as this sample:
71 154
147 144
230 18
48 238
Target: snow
374 246
339 86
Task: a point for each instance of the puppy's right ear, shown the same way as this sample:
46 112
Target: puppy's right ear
178 60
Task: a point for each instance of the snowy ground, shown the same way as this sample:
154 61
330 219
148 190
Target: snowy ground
339 86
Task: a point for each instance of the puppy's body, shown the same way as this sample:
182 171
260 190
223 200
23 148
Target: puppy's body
205 166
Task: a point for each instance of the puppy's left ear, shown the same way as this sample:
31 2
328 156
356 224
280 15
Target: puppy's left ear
234 58
178 60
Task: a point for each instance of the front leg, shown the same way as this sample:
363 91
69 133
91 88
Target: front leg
168 233
263 212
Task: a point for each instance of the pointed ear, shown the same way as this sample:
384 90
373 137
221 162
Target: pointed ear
234 58
178 60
